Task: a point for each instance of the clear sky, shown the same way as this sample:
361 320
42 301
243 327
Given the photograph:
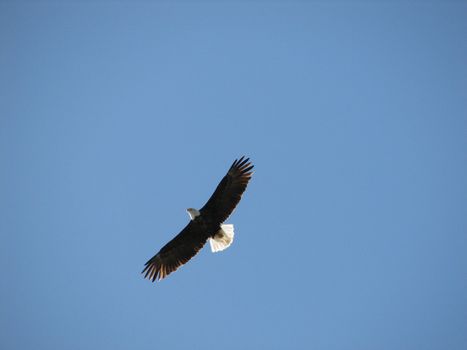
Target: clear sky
117 116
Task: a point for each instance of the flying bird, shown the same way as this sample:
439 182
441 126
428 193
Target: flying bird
206 223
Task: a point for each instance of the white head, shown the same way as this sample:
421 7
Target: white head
193 213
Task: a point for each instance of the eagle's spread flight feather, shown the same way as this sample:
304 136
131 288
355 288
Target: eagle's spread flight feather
207 223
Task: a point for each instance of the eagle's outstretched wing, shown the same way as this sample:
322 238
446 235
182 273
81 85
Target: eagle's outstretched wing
229 191
175 253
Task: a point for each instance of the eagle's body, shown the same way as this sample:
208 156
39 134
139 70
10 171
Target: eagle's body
206 223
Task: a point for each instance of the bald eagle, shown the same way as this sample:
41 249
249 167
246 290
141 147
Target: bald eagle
206 223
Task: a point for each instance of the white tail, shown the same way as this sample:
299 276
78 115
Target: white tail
222 239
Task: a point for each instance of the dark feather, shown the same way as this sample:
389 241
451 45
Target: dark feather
229 191
175 253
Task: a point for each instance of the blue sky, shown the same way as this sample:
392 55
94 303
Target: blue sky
115 117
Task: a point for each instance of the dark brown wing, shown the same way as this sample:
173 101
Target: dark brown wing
175 253
229 191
